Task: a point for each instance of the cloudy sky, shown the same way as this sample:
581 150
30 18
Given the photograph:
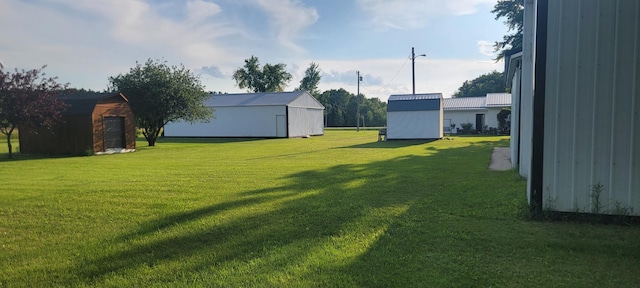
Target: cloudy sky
83 42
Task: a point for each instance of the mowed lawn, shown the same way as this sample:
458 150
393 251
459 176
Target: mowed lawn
341 210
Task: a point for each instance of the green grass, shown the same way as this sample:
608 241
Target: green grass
339 210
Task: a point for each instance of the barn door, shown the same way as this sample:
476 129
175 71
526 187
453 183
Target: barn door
114 132
281 126
479 122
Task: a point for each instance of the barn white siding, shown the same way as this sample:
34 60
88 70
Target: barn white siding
305 121
491 119
463 116
592 102
263 115
257 121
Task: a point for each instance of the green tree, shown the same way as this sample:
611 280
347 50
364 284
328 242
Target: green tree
513 11
311 80
159 93
341 108
271 78
28 98
487 83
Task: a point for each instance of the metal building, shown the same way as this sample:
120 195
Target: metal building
480 112
415 116
585 136
261 115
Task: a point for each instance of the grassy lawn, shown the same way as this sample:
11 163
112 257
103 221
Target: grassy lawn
335 211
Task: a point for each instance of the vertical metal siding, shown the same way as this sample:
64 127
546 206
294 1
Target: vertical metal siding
591 109
526 92
634 196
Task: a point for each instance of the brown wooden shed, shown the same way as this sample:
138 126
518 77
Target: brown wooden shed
92 123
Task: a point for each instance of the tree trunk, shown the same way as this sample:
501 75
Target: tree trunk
9 146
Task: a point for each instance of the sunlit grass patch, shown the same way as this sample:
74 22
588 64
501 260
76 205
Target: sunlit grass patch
340 210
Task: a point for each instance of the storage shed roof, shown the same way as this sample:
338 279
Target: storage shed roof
261 99
83 103
414 102
415 97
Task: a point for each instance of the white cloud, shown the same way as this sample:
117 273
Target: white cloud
414 14
289 18
199 10
486 48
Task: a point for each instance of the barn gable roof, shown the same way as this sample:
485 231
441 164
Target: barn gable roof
83 103
263 99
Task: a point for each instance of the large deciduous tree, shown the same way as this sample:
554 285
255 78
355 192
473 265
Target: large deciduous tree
513 11
159 93
487 83
269 78
311 80
28 98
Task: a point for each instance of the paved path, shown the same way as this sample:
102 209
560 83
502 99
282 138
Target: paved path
500 159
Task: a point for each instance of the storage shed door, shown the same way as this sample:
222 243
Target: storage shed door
114 132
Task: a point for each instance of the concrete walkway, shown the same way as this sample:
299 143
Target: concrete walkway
500 159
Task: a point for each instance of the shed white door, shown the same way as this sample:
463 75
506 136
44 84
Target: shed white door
281 126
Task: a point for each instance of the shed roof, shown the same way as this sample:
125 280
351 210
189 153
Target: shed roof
83 103
259 99
405 97
465 103
498 100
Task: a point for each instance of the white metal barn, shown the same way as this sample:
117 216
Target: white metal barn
261 115
415 116
479 111
578 80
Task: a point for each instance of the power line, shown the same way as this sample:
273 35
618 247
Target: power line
394 78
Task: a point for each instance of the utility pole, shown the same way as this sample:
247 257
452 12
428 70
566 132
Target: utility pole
413 67
358 101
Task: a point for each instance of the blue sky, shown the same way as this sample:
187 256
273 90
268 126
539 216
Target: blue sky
83 42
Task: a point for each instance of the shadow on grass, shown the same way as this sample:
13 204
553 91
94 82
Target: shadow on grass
392 144
197 140
333 218
4 157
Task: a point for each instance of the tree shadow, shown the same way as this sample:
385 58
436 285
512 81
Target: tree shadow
312 209
392 144
198 140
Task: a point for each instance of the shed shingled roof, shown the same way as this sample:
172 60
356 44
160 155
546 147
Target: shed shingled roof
83 103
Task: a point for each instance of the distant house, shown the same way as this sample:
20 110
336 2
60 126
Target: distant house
261 115
577 95
479 111
92 123
414 116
